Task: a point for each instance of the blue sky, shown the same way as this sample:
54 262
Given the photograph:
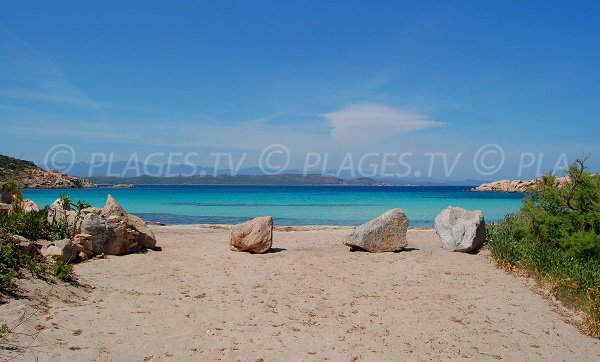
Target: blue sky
317 76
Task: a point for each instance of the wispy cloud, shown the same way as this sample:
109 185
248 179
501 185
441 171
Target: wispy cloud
27 75
369 122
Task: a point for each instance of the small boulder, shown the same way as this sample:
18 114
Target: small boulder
27 248
385 233
28 206
83 256
5 209
85 240
254 236
460 230
64 250
23 246
145 237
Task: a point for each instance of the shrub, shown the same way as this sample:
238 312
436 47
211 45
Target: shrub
567 216
32 225
556 237
62 271
9 264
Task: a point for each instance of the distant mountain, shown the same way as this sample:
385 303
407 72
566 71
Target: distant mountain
28 175
267 180
125 170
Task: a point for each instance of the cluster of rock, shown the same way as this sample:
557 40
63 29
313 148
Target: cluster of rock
458 229
517 185
102 231
123 186
37 178
98 232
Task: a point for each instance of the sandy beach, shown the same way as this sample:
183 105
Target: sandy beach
309 299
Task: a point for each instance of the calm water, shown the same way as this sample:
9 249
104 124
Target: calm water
289 205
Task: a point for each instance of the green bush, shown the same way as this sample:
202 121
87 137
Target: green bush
62 271
556 237
567 216
32 226
9 263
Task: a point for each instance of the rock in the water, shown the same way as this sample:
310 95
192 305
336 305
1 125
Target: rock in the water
29 206
385 233
460 229
64 250
146 237
254 236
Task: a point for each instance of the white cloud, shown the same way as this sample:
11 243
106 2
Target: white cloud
368 122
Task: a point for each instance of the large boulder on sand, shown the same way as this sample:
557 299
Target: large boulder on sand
460 229
63 250
385 233
254 236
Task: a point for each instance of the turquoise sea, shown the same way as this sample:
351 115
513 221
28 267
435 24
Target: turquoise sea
290 205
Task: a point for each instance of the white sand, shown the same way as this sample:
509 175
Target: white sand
312 299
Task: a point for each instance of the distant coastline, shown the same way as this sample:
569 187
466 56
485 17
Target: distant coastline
240 180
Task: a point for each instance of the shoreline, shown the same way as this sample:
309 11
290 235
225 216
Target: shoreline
282 228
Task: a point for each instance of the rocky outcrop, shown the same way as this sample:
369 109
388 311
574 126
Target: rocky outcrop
254 236
123 186
28 175
517 185
112 231
385 233
41 179
460 230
